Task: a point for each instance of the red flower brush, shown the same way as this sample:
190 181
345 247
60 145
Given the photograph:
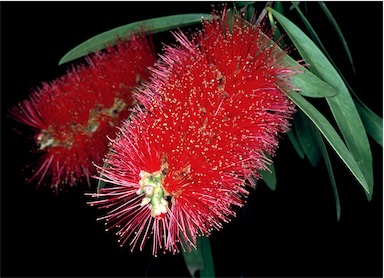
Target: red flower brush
212 111
74 114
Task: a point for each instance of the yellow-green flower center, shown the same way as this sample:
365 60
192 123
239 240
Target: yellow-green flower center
151 186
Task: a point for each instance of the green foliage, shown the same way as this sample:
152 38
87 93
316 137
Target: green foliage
327 160
372 122
332 20
154 25
306 134
333 139
269 176
342 105
200 259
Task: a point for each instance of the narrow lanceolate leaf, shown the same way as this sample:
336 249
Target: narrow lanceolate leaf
338 30
306 134
200 259
194 261
316 38
240 4
373 123
278 6
269 176
295 142
333 139
342 105
310 29
154 25
208 270
250 12
276 34
309 84
327 161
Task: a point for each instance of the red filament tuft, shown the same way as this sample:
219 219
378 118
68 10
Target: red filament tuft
73 115
212 111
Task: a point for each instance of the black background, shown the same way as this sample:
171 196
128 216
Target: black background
289 232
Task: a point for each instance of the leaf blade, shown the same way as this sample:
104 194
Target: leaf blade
200 259
307 138
295 142
328 165
339 33
309 84
209 270
269 176
155 25
372 122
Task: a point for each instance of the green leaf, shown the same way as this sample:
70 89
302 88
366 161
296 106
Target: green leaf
209 270
306 134
308 83
373 123
333 139
295 142
250 12
240 4
339 33
315 148
200 259
278 6
317 39
154 25
269 176
311 31
342 105
276 34
327 161
312 86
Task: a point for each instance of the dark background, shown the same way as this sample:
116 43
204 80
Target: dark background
289 232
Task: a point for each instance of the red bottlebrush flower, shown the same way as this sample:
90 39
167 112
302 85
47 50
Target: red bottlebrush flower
74 114
212 111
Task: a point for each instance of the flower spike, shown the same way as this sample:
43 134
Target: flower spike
73 115
212 110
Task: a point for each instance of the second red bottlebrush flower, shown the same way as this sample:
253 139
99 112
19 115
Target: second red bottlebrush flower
212 111
73 115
